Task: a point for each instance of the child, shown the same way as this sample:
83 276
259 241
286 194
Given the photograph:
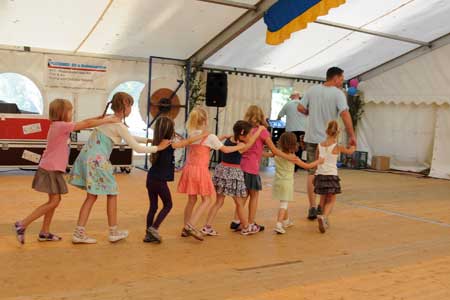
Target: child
283 186
195 178
162 171
250 163
326 181
93 172
228 177
49 176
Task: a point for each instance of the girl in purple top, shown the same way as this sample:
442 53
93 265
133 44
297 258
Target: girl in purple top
49 176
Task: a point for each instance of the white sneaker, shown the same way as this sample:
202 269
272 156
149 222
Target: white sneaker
279 229
118 235
323 226
288 223
82 239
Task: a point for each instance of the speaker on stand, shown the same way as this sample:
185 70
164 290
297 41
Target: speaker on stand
216 96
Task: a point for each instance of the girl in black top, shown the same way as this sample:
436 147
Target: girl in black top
162 171
228 177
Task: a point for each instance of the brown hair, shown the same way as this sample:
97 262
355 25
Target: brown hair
59 110
288 142
255 116
118 103
333 128
197 118
241 128
164 130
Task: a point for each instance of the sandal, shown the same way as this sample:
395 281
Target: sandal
48 237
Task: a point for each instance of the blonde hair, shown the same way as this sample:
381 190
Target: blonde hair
59 110
288 142
197 118
333 129
118 103
255 116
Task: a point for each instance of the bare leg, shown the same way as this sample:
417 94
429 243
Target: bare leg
252 205
310 189
240 210
200 210
44 209
192 199
215 208
85 209
243 202
49 215
282 215
331 200
323 201
111 210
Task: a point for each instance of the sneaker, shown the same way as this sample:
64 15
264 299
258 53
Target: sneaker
319 210
288 223
251 229
261 227
48 237
194 233
184 233
279 229
117 235
19 230
151 237
322 223
312 213
235 225
82 238
208 230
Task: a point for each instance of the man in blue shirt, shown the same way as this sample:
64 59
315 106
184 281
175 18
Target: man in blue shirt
323 103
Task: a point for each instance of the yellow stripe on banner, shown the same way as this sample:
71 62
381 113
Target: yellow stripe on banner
301 22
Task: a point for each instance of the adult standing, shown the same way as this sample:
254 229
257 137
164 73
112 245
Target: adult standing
295 121
323 103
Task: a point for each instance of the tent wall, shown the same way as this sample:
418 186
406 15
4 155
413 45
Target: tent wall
406 115
88 103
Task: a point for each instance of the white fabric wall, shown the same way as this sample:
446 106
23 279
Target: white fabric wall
89 103
407 114
243 91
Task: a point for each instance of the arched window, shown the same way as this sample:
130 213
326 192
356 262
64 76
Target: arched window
18 89
134 120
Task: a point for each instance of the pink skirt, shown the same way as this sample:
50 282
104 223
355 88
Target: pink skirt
196 180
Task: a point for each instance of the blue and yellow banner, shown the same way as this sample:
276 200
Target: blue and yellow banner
288 16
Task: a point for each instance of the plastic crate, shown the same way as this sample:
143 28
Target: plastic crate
357 160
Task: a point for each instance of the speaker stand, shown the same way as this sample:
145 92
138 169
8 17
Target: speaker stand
215 155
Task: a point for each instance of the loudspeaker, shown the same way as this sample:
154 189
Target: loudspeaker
216 89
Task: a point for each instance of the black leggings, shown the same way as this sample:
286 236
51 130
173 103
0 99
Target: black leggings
157 188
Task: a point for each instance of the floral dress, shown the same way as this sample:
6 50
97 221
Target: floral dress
92 170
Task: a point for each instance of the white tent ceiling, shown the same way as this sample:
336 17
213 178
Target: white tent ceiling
178 28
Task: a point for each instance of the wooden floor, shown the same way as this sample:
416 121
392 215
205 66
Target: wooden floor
390 239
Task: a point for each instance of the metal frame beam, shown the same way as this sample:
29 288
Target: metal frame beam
404 58
231 3
372 32
232 31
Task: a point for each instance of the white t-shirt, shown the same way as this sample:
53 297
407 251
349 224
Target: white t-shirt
212 141
118 132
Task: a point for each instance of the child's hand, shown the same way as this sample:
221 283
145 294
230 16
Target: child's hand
205 133
352 148
260 128
163 145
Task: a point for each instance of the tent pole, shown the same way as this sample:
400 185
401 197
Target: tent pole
371 32
231 3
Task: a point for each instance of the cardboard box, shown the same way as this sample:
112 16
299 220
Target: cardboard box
381 163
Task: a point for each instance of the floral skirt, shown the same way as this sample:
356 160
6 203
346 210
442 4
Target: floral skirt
327 184
92 170
229 181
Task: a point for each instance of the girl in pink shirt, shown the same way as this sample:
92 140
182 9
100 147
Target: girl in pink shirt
49 176
250 163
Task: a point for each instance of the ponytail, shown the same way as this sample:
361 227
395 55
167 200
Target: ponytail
106 108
